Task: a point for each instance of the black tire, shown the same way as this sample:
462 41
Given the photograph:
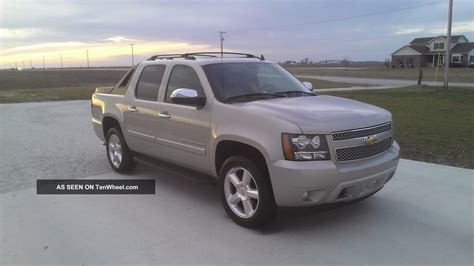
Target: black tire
127 163
266 209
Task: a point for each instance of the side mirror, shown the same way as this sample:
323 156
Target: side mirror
308 85
187 97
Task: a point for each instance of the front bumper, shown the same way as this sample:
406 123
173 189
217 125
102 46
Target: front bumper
317 182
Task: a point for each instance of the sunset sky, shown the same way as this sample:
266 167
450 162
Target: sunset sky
279 29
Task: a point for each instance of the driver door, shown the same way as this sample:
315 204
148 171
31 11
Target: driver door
183 131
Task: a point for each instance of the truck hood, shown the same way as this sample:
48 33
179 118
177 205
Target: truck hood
321 114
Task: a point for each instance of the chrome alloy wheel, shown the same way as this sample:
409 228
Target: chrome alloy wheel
241 192
115 150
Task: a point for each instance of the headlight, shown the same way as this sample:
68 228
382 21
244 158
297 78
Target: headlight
299 147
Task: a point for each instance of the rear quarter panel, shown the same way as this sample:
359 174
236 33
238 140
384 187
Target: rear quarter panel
106 105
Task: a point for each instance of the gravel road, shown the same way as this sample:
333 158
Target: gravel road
47 140
423 216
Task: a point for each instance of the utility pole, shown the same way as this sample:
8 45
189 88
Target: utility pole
61 59
16 66
447 58
133 60
31 65
87 53
23 63
221 33
44 66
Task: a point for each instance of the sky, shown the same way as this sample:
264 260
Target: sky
280 29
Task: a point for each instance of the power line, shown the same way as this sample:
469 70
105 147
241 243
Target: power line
344 18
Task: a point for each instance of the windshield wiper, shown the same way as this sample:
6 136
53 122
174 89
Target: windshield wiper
253 95
296 92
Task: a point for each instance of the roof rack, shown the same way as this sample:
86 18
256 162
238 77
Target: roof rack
192 56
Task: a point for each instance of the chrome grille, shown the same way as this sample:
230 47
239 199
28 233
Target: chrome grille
364 151
358 133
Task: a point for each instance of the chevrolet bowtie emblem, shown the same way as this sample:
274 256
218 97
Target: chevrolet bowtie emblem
370 140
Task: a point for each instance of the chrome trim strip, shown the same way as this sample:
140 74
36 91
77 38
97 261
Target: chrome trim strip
141 135
181 146
347 143
361 129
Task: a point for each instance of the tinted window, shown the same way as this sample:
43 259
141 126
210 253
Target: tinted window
233 79
121 87
149 83
183 77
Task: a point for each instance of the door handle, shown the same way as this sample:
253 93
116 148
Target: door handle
133 109
165 114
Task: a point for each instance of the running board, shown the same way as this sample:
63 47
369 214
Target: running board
175 169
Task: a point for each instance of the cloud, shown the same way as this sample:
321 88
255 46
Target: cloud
460 27
73 53
120 39
283 29
408 30
20 33
464 26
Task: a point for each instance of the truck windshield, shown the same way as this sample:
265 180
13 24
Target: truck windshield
231 80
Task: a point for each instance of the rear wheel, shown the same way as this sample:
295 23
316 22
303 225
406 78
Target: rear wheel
118 154
246 193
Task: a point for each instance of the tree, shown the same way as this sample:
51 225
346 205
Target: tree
387 62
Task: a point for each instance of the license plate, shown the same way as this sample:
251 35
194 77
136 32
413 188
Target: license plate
368 187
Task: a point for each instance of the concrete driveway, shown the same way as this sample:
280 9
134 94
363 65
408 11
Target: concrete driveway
423 216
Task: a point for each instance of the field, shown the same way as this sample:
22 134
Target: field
431 125
54 85
41 79
455 74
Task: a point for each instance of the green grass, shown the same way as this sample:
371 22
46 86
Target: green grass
431 124
456 74
54 85
40 95
45 79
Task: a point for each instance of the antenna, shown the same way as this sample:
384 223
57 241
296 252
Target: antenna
221 34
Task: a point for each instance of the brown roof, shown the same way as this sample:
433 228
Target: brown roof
421 49
465 47
424 40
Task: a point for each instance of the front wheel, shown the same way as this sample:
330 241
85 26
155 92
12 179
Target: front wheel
246 193
118 154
